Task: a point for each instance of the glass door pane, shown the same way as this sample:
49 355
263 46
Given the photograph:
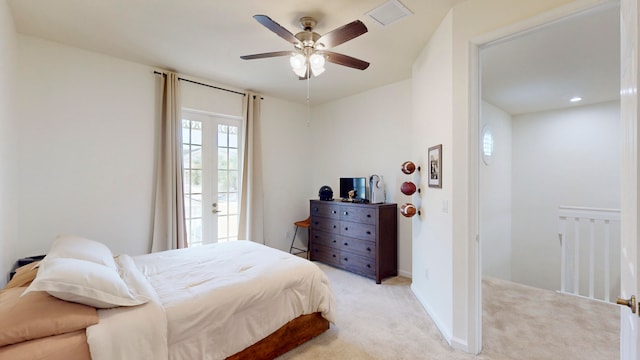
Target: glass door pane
211 153
192 179
228 181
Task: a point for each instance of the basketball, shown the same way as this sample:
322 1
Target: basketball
408 188
408 167
408 210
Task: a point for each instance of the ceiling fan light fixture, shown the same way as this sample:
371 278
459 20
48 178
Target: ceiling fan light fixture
316 61
317 70
298 64
309 55
301 72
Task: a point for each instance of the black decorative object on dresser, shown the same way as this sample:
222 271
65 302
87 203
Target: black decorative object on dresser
360 238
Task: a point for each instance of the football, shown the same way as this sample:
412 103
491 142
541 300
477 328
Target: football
408 167
408 210
408 188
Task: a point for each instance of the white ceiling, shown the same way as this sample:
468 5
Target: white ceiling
544 68
205 39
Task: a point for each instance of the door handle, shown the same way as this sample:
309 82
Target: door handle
631 303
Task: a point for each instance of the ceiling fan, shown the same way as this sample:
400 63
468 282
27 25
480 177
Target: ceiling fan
309 54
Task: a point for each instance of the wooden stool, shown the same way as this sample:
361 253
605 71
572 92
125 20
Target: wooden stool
300 224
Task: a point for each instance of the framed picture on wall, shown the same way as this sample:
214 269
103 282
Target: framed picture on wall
435 166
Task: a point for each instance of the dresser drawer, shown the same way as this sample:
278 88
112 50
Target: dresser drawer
326 239
360 238
325 224
358 264
325 254
360 247
328 210
357 230
360 214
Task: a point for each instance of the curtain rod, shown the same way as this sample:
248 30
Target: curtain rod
199 83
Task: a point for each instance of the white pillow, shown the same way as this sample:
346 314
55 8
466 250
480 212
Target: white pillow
75 247
84 282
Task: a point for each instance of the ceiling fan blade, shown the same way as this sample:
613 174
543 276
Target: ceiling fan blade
342 34
345 60
265 55
276 28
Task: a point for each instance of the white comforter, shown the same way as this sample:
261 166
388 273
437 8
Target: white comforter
208 302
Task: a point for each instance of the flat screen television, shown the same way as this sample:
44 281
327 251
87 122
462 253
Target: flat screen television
359 184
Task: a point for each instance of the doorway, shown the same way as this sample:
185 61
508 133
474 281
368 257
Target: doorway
211 149
528 143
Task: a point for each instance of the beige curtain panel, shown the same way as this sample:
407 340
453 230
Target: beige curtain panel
251 188
169 230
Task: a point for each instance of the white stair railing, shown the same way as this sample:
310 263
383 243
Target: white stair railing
591 227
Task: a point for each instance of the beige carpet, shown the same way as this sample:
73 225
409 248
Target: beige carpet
387 322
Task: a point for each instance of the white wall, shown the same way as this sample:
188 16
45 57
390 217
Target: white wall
87 126
87 151
432 112
361 135
8 143
287 162
211 100
469 21
495 196
565 157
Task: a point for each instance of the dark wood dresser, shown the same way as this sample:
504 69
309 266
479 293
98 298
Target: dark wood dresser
360 238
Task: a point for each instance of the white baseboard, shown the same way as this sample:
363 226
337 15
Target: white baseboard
406 274
446 333
459 344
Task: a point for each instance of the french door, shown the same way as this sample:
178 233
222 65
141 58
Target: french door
211 148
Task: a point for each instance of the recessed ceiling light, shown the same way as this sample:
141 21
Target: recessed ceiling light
575 99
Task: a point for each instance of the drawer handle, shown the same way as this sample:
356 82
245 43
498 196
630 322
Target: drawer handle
346 213
316 222
315 236
346 229
334 241
334 226
346 259
368 232
333 211
369 249
346 244
369 265
368 215
334 255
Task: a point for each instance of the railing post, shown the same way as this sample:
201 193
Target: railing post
563 253
592 259
607 286
576 256
570 270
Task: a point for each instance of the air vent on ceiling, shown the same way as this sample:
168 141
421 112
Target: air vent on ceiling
389 12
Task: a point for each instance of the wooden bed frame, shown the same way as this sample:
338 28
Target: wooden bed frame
290 335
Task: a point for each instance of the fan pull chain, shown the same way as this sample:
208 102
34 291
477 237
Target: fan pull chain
308 100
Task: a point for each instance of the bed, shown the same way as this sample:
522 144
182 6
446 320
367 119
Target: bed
235 300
